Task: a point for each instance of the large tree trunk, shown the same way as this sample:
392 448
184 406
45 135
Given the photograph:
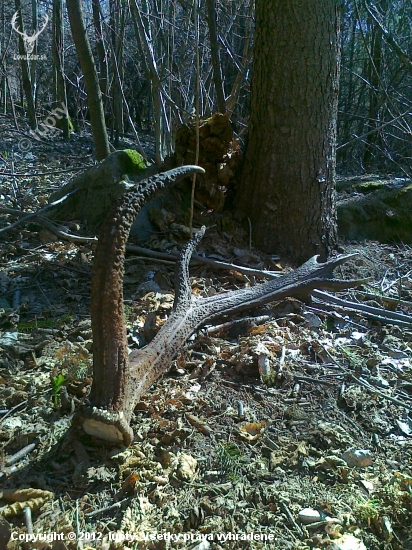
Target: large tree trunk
287 184
94 95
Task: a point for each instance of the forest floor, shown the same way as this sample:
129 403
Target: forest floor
289 430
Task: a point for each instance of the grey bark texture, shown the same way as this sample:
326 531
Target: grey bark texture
287 184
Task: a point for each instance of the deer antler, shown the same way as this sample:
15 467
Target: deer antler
119 380
33 38
13 24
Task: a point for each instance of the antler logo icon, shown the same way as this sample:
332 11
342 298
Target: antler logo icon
29 41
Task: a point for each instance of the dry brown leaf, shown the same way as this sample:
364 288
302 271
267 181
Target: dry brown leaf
253 430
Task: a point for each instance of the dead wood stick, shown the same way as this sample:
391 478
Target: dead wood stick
244 321
383 298
20 454
289 516
378 313
327 311
312 380
53 172
329 308
106 508
202 260
24 216
28 520
156 255
365 384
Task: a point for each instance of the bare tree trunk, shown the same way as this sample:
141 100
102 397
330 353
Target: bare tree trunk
94 95
345 128
214 53
25 71
159 95
287 185
3 64
59 88
117 22
3 94
7 91
374 71
244 65
33 62
101 50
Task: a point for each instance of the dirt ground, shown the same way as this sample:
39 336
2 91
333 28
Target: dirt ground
290 428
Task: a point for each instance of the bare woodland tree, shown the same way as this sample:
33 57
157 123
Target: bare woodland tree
214 53
25 69
287 187
94 96
374 122
144 54
100 49
59 84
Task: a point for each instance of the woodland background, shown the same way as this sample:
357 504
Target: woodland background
146 54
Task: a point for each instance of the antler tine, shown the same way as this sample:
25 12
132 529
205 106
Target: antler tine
13 24
34 37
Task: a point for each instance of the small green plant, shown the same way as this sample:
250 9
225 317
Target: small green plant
57 383
82 370
368 510
129 313
229 455
54 322
354 360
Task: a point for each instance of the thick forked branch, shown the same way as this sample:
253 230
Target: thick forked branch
119 380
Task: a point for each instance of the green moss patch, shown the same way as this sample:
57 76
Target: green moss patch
134 162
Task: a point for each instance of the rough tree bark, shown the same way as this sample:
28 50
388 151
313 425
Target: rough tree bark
94 95
287 183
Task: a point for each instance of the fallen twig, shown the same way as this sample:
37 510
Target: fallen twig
388 299
314 381
106 509
291 519
207 261
365 384
20 454
24 217
33 174
380 314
